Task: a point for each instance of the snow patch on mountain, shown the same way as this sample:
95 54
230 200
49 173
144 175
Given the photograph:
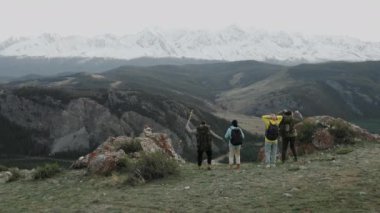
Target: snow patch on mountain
232 43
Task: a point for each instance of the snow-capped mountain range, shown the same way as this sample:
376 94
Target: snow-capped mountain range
232 43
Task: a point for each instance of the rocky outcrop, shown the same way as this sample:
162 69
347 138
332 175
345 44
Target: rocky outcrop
5 176
104 163
325 132
14 174
80 124
84 121
105 158
322 139
161 142
331 124
56 123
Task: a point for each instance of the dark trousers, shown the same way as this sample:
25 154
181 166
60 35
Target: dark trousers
285 142
200 156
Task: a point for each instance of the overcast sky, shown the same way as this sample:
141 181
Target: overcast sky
355 18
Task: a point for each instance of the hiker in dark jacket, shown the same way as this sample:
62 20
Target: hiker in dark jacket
288 133
204 141
235 137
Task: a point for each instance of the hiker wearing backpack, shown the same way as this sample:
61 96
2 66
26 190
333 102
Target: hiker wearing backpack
272 123
235 137
204 136
288 133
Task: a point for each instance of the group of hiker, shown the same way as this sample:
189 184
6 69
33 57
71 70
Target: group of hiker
277 126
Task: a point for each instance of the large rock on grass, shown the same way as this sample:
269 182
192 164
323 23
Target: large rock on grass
324 132
107 156
5 176
322 139
332 124
105 163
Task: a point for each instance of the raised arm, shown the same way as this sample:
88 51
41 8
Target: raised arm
279 118
266 118
227 136
297 116
215 135
189 130
242 133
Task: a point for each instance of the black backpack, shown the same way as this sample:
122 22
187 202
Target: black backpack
272 132
236 137
286 126
203 138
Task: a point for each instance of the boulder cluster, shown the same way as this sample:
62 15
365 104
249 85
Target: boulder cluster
107 156
325 132
13 174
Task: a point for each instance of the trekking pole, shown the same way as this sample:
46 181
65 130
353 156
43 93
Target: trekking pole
188 120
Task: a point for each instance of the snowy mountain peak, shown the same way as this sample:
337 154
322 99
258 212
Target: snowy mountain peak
231 43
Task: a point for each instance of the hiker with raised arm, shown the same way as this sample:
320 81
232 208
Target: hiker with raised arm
288 133
271 138
235 137
204 136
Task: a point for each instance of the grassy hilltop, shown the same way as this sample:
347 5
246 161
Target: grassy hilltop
321 182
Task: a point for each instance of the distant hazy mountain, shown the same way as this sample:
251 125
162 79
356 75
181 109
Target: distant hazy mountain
231 43
5 79
17 66
348 90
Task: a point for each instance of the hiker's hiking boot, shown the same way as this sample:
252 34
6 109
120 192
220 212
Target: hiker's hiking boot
209 168
238 166
267 166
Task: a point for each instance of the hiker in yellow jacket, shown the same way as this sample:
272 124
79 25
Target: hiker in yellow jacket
272 123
